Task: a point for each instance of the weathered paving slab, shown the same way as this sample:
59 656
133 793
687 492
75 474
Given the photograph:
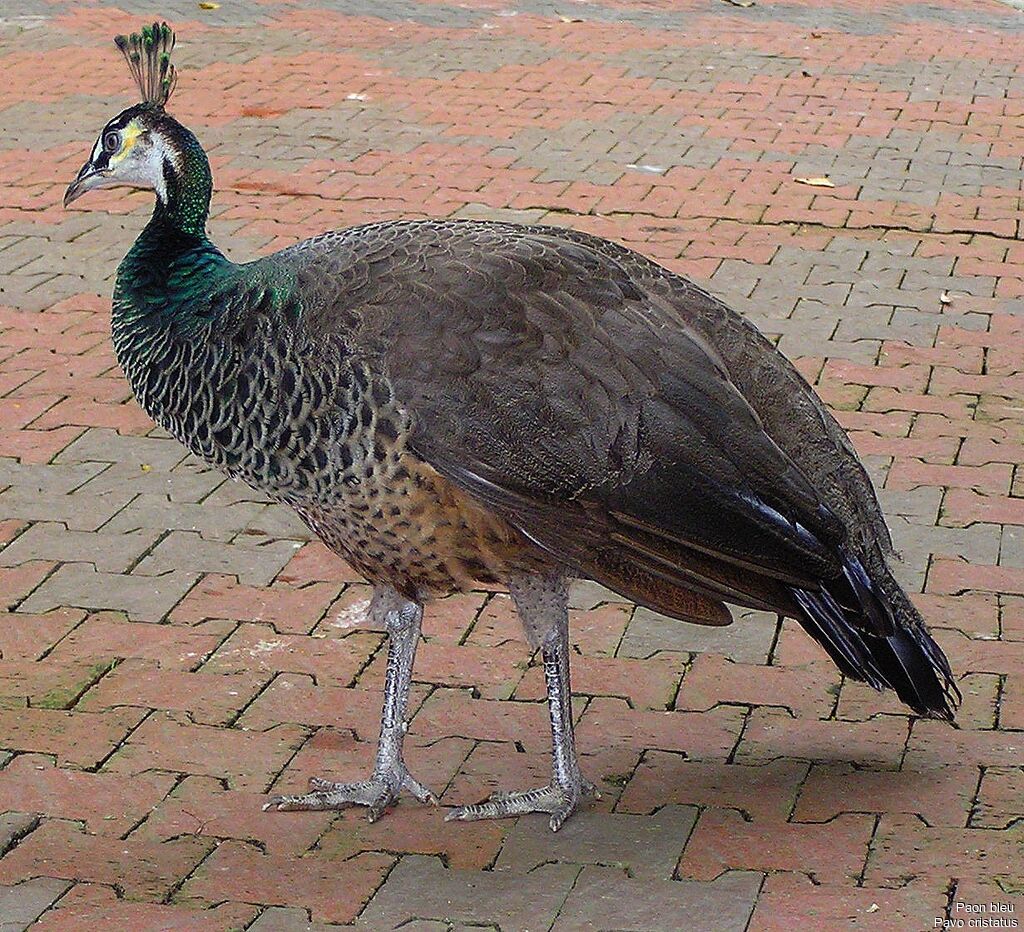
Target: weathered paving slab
172 646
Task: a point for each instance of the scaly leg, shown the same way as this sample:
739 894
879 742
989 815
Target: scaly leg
390 775
544 612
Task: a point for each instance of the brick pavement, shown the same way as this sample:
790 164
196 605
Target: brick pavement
173 647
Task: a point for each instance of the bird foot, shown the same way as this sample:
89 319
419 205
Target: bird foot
377 794
560 801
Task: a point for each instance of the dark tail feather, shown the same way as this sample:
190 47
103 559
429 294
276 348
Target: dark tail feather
906 659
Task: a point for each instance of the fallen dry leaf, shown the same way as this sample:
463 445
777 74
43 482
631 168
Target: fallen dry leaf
817 182
570 19
205 5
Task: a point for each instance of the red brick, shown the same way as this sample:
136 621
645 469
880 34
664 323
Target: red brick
28 637
702 735
934 743
884 399
242 873
45 685
339 755
941 450
493 672
201 806
977 451
37 446
975 613
260 648
82 412
833 852
962 507
290 610
95 906
417 829
910 474
905 378
293 698
766 791
108 804
454 713
209 698
451 618
905 848
597 632
143 869
951 577
1000 798
964 358
645 684
106 635
16 582
792 900
772 733
248 760
941 795
75 738
712 679
10 529
315 563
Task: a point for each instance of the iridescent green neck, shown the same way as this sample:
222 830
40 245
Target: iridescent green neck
188 184
172 265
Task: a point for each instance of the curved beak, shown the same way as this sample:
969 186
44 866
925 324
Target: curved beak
88 178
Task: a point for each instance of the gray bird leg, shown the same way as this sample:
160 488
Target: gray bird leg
390 775
543 609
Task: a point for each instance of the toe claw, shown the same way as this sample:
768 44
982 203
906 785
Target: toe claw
377 794
556 800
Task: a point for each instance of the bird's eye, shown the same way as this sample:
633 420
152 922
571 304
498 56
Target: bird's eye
111 141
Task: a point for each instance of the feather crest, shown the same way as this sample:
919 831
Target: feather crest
148 54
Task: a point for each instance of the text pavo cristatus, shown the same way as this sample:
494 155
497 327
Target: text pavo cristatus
449 402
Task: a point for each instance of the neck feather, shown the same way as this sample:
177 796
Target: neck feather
184 202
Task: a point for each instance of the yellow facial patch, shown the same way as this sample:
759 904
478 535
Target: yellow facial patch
129 136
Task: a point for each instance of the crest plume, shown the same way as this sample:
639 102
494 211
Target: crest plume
148 54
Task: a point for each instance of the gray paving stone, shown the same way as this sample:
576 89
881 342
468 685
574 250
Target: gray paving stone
292 919
186 551
646 847
1011 548
101 445
422 888
80 511
21 904
917 506
153 511
57 480
13 825
79 585
747 640
189 481
108 552
586 594
279 522
604 898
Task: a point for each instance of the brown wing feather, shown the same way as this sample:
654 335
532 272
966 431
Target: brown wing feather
550 384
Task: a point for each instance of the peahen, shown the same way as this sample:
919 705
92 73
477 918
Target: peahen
455 402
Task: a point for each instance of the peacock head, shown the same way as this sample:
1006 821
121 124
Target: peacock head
142 146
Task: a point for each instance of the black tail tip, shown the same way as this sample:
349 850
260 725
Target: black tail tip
906 660
920 673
